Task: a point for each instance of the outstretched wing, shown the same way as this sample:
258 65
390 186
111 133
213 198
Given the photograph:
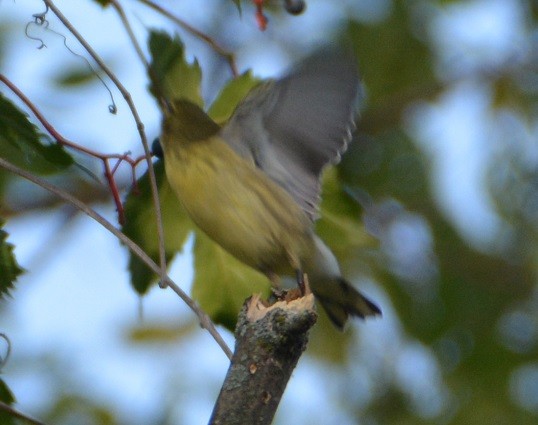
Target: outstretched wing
293 127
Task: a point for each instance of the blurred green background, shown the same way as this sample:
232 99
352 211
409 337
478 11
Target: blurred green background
433 212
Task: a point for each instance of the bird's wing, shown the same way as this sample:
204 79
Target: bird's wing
292 127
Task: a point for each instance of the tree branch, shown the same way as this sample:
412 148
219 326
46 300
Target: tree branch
269 342
130 33
140 126
205 321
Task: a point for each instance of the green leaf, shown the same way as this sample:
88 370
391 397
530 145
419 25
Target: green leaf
141 226
9 267
20 143
328 344
159 333
222 283
7 397
171 75
387 71
231 95
5 393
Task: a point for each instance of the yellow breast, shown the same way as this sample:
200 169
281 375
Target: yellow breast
237 205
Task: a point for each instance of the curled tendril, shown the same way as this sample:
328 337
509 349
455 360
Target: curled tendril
39 18
41 21
5 358
112 108
31 37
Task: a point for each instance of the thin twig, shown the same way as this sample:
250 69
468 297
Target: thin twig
140 126
138 49
130 33
17 414
261 19
228 56
205 321
104 158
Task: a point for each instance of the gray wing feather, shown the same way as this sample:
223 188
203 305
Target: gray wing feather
293 127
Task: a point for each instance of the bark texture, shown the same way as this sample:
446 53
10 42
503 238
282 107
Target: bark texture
269 343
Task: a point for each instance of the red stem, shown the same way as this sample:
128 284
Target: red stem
109 174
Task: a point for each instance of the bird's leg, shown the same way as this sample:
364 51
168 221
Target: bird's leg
300 280
299 275
307 290
274 279
276 288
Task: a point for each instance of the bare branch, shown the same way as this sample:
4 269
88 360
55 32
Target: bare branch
140 127
121 12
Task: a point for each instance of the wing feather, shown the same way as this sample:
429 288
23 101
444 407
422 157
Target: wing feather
293 127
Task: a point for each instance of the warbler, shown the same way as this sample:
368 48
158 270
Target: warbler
253 184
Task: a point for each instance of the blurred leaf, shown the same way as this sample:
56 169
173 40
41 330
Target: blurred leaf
5 393
222 283
20 144
231 95
73 408
159 333
9 267
387 165
459 316
392 58
517 93
326 342
74 77
340 224
141 226
5 177
103 3
171 75
7 397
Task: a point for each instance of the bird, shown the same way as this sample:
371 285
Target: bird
253 184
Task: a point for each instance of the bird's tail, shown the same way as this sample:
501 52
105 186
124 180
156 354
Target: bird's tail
341 300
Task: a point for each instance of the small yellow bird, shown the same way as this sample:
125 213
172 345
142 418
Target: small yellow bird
253 185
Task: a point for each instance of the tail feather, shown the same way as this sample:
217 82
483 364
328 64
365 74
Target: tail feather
341 300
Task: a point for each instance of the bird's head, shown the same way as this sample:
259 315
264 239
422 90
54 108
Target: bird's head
187 122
